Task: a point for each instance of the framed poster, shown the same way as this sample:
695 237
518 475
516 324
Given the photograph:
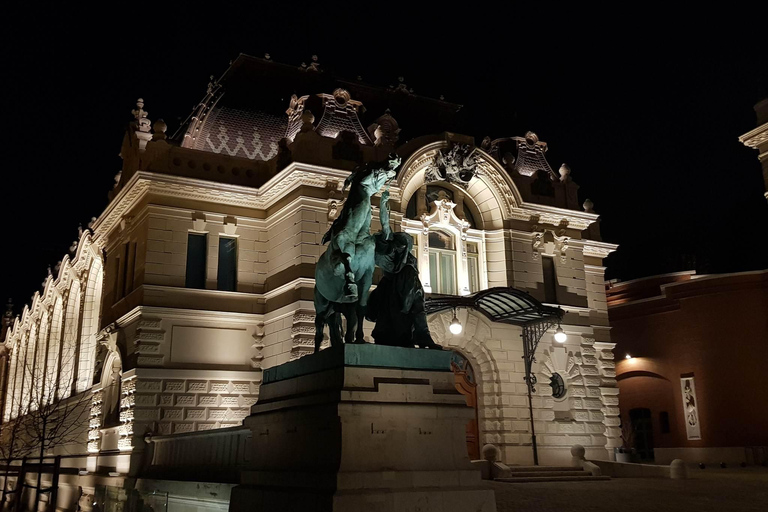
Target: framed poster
690 407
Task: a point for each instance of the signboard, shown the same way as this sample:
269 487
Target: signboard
690 408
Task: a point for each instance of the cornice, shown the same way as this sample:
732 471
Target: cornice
756 137
143 182
544 214
598 249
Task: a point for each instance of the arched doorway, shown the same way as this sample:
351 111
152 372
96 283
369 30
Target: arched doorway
467 386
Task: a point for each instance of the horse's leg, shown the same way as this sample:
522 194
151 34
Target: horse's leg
321 310
351 314
364 285
334 326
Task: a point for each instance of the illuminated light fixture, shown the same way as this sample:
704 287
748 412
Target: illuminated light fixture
627 356
560 336
455 324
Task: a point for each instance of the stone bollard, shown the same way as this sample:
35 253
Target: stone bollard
490 452
678 470
577 455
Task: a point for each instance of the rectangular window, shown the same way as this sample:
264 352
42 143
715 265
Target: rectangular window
442 272
473 267
196 252
550 280
119 274
227 274
130 266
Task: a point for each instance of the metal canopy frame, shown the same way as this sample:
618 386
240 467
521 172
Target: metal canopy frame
509 306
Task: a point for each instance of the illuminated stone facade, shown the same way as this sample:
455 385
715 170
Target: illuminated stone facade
758 139
199 273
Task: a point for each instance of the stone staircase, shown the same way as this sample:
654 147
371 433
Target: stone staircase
523 474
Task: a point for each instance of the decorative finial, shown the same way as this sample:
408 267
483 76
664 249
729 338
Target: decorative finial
9 308
73 247
442 98
314 66
267 56
92 222
211 85
589 206
159 129
565 173
50 273
307 118
79 230
359 78
142 123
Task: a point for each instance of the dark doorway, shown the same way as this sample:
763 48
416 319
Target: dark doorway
642 426
467 386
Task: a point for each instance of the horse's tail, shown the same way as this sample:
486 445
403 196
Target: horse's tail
327 236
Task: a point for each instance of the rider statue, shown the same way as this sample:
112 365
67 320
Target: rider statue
397 303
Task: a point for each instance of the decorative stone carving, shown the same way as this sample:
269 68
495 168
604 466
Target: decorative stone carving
385 130
457 165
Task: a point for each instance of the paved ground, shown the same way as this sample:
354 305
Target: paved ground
721 490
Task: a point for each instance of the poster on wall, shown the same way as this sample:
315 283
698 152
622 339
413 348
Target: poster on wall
690 407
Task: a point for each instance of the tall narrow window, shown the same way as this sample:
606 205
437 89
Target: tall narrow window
129 267
227 274
473 265
442 262
550 280
118 285
196 250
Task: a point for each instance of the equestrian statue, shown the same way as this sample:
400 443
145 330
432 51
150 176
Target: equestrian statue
344 272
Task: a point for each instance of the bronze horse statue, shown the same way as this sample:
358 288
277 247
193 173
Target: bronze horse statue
344 272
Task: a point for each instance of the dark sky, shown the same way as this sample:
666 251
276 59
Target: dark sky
645 107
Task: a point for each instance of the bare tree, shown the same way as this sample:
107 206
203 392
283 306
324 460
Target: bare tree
46 422
12 448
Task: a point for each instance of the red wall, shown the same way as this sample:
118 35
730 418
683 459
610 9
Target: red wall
715 328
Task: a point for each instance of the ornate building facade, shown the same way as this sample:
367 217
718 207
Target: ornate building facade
199 274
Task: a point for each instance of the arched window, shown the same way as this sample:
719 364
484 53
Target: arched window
40 377
54 349
28 371
91 310
69 342
10 401
446 243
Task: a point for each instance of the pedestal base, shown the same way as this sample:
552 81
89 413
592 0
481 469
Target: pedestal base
361 427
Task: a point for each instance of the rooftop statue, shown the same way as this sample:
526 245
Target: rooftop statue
397 303
344 272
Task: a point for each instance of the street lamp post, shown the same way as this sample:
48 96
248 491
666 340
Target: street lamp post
532 334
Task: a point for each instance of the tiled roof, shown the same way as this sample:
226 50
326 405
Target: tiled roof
246 134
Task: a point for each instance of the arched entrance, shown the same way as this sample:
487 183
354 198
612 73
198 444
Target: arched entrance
467 386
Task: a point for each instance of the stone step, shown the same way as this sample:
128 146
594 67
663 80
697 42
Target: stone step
521 474
530 479
515 469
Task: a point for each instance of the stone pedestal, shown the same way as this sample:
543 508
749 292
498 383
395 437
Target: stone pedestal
361 428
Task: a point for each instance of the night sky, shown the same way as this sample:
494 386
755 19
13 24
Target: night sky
645 108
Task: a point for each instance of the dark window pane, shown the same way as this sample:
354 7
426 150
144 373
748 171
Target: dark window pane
196 249
227 276
550 280
410 210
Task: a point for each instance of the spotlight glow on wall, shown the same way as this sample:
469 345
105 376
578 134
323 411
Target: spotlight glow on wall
455 327
560 336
